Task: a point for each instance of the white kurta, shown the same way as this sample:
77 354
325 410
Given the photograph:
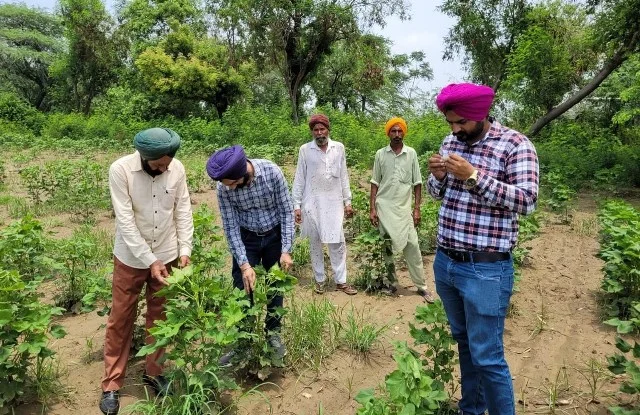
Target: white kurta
321 190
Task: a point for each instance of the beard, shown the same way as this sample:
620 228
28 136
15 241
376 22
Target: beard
246 178
471 135
151 172
321 141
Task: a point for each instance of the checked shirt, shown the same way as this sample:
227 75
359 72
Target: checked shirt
485 218
259 207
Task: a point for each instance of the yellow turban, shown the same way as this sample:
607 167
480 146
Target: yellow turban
394 121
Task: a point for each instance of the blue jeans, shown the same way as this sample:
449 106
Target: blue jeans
262 250
476 297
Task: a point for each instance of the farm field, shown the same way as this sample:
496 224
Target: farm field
555 341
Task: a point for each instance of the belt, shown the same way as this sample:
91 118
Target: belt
244 231
475 256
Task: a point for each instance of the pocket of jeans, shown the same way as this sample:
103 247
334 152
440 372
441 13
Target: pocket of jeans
488 271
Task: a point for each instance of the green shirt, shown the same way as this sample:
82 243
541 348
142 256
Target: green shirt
395 176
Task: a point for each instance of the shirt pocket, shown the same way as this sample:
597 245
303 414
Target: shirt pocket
168 199
404 175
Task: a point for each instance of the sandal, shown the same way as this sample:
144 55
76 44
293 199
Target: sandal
426 295
347 289
319 288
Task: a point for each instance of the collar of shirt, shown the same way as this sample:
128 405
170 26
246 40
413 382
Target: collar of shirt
135 164
404 149
494 133
257 170
330 144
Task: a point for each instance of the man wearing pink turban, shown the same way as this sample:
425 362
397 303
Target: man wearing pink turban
486 175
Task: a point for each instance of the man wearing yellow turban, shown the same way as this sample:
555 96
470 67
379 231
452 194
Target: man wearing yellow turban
396 175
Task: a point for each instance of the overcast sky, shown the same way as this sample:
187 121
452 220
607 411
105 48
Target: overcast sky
425 31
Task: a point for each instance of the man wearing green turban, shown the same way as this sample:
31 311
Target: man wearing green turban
154 231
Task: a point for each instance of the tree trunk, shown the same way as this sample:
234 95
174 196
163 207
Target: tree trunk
621 55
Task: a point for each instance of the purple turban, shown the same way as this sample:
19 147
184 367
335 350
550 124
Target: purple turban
228 163
470 101
319 118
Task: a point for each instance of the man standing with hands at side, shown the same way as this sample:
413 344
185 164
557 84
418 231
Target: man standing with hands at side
486 175
396 177
321 200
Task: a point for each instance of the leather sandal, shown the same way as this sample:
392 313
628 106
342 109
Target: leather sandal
347 289
110 402
426 295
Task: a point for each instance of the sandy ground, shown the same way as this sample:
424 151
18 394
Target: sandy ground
554 331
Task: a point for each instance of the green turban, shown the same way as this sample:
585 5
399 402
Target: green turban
155 143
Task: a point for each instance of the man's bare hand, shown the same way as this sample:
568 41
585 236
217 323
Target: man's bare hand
159 272
184 261
416 217
249 279
298 216
348 211
285 261
373 217
437 167
459 167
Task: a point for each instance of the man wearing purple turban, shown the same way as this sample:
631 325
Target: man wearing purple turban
486 176
257 217
154 231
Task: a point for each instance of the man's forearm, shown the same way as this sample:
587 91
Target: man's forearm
372 197
417 196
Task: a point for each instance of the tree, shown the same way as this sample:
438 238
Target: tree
485 32
296 36
550 57
93 58
30 40
617 32
184 74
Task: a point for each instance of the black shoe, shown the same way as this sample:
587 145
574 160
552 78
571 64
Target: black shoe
159 384
279 351
110 402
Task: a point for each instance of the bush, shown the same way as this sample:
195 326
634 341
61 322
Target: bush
16 110
25 324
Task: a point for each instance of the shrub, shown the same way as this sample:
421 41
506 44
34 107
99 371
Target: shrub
25 324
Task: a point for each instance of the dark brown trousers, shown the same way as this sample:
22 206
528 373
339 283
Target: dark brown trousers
127 285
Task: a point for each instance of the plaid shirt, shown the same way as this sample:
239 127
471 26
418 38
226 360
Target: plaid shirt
485 218
259 207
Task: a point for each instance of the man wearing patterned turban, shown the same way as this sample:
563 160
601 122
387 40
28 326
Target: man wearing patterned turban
321 200
486 175
154 231
257 217
396 176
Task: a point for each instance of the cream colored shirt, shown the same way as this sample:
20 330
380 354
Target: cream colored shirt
153 214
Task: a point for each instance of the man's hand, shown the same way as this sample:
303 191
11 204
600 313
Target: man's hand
184 261
348 211
298 216
437 167
159 272
248 278
373 217
459 167
285 261
416 217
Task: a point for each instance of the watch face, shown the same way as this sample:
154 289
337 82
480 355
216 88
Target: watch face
470 182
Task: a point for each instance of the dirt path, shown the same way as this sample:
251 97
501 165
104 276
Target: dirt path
553 333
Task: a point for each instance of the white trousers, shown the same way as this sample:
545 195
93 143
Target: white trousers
337 255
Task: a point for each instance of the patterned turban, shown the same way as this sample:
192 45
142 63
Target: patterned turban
395 120
155 143
470 101
319 118
228 163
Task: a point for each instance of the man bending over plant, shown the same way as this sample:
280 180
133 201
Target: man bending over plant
154 231
257 217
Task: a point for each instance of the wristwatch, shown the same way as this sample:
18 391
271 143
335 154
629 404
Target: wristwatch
472 181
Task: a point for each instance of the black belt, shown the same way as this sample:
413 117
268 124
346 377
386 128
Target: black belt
246 232
475 256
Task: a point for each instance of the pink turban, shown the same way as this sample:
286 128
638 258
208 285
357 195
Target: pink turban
470 101
319 118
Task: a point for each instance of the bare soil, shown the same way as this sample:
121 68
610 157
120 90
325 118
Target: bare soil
554 330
